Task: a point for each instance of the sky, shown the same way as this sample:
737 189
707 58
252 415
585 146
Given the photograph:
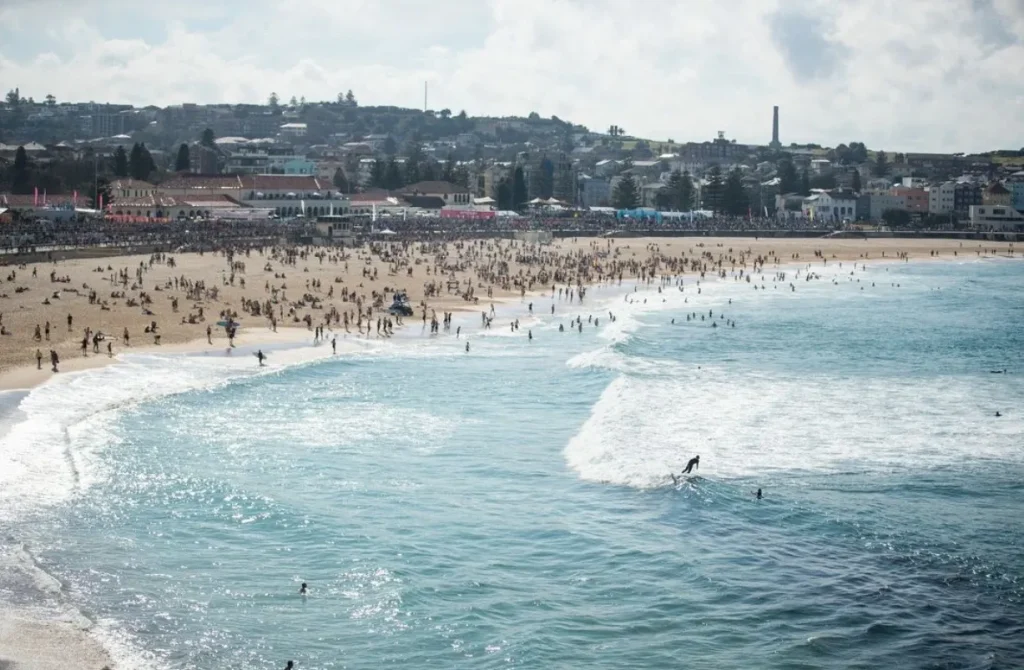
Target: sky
900 75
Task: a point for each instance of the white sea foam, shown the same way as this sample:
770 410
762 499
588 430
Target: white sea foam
53 452
744 426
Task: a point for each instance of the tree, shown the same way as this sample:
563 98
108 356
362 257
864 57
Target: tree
542 179
825 182
377 174
858 152
519 193
503 194
788 180
21 175
616 131
687 193
50 100
841 154
273 102
448 172
339 180
462 116
102 190
120 162
663 199
856 181
350 98
734 197
626 194
429 171
140 162
896 218
183 163
302 101
446 113
341 98
881 164
392 175
207 138
413 161
13 97
805 183
533 116
390 146
712 191
680 191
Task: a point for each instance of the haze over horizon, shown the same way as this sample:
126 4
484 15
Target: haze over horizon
920 75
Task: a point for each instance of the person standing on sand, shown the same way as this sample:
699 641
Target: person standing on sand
334 344
70 318
54 360
39 359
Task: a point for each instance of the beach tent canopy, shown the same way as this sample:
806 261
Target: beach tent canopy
387 231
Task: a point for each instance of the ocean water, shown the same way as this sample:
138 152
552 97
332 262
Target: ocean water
510 506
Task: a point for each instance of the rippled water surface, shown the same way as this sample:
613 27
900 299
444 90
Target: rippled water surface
511 507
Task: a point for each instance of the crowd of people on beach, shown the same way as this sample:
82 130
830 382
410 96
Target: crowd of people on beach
212 233
355 290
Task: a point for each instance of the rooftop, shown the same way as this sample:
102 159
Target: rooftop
434 188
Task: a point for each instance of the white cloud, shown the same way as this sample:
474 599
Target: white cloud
938 75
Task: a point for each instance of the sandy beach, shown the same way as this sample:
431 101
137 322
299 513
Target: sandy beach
185 294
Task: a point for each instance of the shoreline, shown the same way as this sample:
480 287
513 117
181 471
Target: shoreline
27 377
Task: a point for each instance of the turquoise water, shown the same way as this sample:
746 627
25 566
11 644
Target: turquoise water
510 506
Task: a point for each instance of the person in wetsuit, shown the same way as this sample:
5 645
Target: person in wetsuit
693 463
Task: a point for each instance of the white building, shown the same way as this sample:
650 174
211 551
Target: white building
941 198
293 129
996 217
835 206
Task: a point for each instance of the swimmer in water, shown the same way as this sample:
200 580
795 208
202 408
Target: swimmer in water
303 590
758 494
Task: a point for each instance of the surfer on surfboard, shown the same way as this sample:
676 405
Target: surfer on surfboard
690 465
